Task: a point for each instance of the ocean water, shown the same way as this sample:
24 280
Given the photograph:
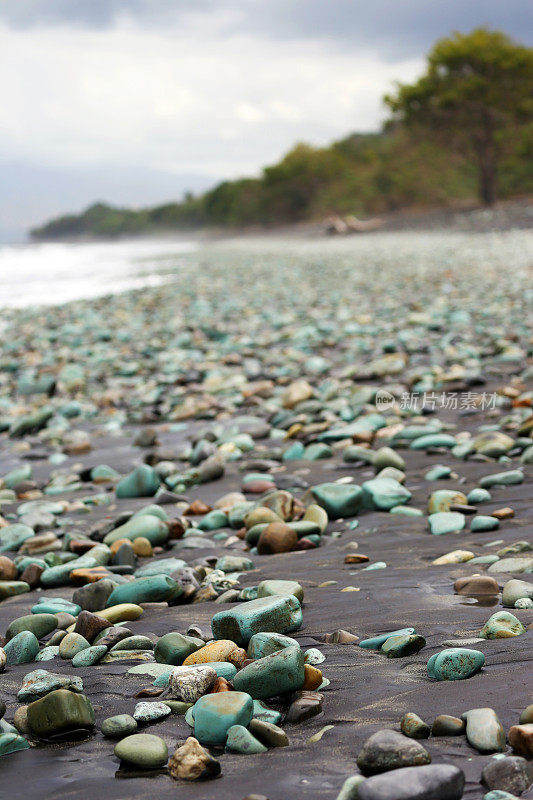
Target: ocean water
53 273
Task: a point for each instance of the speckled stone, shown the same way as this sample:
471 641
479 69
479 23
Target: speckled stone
455 664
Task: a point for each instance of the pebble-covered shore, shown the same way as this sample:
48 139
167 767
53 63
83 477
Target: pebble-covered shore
266 530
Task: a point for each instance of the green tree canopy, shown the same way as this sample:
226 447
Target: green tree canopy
477 90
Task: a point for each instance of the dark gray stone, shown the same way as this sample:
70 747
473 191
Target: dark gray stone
433 782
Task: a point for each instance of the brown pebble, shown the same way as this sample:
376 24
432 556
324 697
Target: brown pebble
305 544
476 585
221 685
277 538
142 547
341 637
197 509
521 739
463 509
312 677
503 513
355 558
8 570
150 691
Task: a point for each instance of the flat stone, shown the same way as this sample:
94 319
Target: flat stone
119 726
514 590
268 733
477 585
270 588
150 712
142 750
376 642
152 589
482 523
446 725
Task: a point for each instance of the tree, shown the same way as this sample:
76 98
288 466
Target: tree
478 87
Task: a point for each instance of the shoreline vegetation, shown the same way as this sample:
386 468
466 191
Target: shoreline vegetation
391 175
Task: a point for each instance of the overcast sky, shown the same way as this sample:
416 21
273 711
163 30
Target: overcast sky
135 101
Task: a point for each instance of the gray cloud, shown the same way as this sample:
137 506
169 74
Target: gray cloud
395 28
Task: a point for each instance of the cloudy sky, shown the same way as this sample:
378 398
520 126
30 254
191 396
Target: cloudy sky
136 101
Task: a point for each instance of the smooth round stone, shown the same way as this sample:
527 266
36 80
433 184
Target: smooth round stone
271 675
408 511
271 588
442 499
376 642
163 566
215 714
512 773
240 740
477 496
234 564
276 537
433 440
510 478
443 522
134 643
414 727
502 625
142 750
12 743
56 605
121 656
438 473
389 750
277 614
493 443
455 664
72 644
89 656
146 526
173 648
337 499
514 590
142 482
454 557
214 520
39 624
218 650
153 589
523 564
60 711
482 523
484 730
484 559
446 725
150 711
22 648
431 782
476 585
119 726
384 493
